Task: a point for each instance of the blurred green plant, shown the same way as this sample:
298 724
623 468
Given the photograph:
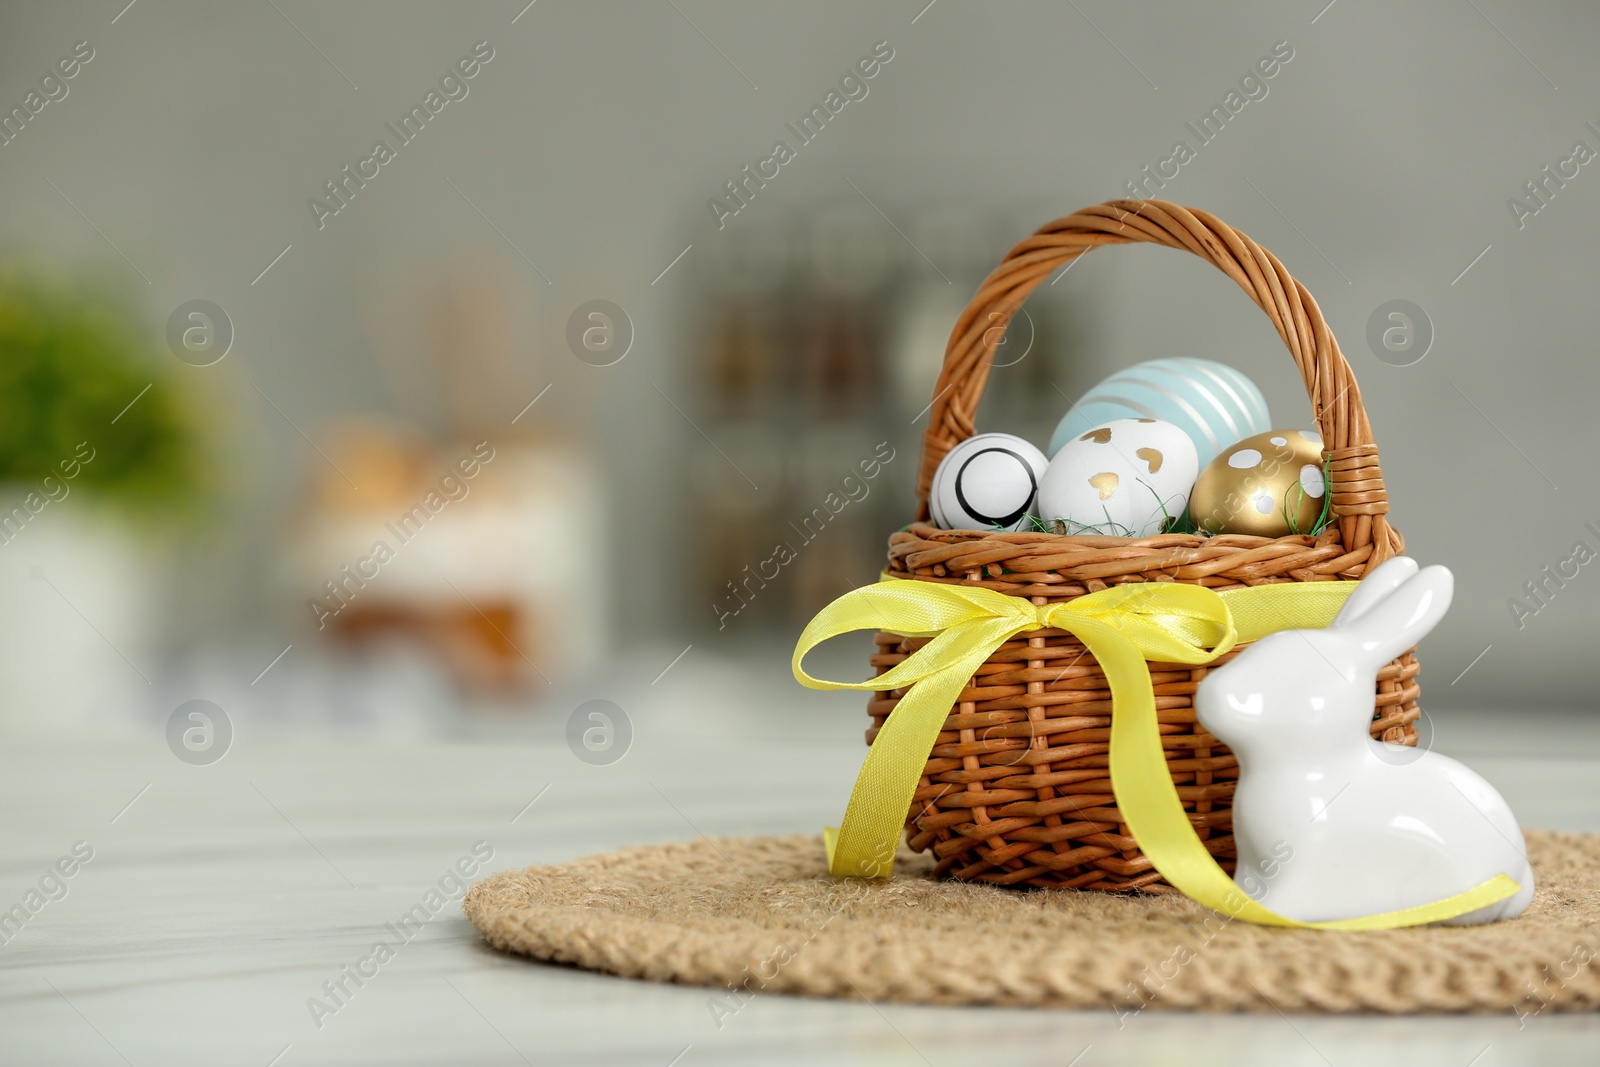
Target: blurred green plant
74 352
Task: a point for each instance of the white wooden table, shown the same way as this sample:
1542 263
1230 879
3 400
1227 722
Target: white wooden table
220 900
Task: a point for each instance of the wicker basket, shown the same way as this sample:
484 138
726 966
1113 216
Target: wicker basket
1017 790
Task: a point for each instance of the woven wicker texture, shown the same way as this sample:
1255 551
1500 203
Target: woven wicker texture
1017 789
762 914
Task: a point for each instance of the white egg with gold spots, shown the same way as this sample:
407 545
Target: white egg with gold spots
1270 485
1123 478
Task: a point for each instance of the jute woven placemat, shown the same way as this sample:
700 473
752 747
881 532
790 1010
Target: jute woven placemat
757 914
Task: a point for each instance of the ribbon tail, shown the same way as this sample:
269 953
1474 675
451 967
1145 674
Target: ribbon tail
864 844
1146 797
830 842
1493 891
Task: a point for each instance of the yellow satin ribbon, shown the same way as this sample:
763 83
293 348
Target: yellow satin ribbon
1123 627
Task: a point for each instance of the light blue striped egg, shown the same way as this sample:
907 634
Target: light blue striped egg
1213 403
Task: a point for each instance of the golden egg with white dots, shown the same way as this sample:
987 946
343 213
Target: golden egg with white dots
1270 485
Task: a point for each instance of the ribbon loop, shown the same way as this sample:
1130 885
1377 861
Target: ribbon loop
1123 627
947 613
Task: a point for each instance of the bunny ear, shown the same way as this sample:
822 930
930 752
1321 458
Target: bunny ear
1375 587
1405 616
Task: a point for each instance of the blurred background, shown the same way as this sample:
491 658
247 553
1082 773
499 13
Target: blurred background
447 438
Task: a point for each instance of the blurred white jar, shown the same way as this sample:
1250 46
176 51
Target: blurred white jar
80 627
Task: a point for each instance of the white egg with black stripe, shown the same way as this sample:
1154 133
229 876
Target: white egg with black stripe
987 482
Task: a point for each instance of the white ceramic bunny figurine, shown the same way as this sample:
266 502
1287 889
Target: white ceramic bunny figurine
1369 827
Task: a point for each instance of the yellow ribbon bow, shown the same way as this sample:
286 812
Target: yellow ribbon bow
1123 627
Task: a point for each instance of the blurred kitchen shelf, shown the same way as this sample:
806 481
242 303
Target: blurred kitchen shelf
812 355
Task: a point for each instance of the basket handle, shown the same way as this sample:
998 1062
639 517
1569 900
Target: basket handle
1359 503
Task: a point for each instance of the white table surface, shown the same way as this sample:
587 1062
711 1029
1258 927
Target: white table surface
225 895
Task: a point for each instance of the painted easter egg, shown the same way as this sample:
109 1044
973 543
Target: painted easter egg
987 482
1124 478
1270 484
1211 402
